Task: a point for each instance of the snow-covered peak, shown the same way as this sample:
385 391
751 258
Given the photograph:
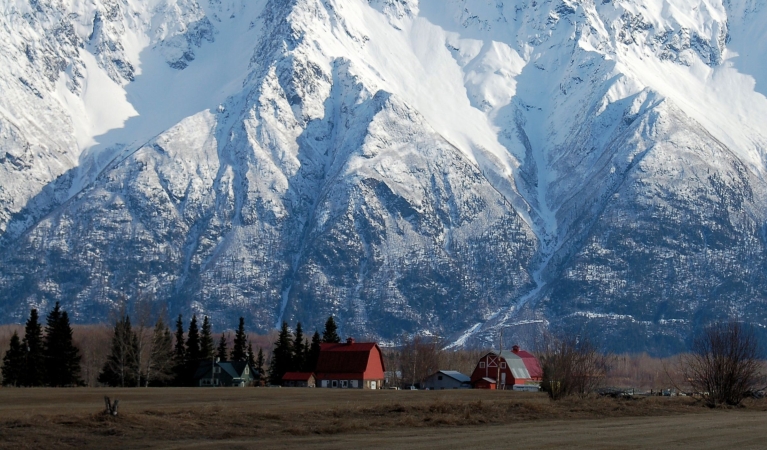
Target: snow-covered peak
382 158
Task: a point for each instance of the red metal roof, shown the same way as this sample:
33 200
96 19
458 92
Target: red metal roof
350 361
520 367
297 376
531 362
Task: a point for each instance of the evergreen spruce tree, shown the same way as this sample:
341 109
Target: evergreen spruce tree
34 360
239 352
13 362
179 355
160 367
193 354
62 358
282 356
313 355
299 350
122 365
206 341
251 356
222 352
330 335
259 367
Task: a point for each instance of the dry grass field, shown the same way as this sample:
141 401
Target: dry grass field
317 418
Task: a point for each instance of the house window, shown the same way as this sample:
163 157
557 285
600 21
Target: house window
216 370
345 383
246 370
354 383
503 365
482 365
334 383
439 377
324 383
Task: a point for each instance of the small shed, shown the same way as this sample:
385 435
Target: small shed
298 379
485 383
447 379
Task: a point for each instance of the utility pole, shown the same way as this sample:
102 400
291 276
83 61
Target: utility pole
498 362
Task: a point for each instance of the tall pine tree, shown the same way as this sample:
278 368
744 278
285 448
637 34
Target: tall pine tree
206 341
282 356
179 355
122 366
239 352
259 367
193 354
222 352
13 362
160 367
251 357
313 355
62 358
34 360
299 350
330 335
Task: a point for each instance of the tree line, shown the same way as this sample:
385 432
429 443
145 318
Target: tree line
173 358
136 357
724 366
43 359
293 352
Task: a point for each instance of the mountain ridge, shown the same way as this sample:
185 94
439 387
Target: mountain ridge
447 168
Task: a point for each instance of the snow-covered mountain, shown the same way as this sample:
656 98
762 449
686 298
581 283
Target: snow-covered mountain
450 167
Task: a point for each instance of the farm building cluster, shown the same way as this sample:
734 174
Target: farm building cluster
360 365
353 365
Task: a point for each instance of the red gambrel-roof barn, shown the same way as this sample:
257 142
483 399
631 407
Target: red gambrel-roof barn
350 365
516 368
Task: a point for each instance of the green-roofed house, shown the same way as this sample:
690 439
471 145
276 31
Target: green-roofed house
224 374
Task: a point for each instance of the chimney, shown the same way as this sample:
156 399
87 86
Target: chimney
515 349
350 340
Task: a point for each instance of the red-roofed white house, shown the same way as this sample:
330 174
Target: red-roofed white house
350 365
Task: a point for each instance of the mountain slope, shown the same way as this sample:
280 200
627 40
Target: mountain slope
443 167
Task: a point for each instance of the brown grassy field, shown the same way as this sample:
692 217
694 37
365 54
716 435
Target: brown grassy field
318 418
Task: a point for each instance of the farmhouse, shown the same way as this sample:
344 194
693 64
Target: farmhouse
224 373
447 379
350 365
518 370
298 379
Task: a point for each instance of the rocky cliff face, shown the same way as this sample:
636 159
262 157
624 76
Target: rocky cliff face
440 167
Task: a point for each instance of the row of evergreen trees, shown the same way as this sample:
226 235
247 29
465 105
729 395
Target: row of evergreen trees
49 359
294 353
171 362
52 359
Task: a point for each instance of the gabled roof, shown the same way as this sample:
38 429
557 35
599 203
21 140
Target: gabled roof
231 368
297 376
234 369
458 376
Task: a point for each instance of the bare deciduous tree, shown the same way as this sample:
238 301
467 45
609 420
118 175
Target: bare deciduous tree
571 366
419 357
724 364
